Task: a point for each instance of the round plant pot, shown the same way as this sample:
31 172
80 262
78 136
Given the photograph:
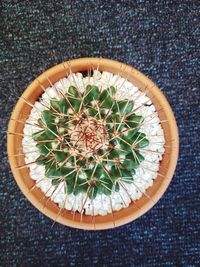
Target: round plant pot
51 209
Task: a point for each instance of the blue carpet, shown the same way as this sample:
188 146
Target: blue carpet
160 38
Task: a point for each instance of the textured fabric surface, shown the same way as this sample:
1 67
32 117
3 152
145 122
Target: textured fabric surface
160 38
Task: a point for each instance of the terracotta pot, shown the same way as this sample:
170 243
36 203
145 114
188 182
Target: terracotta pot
167 166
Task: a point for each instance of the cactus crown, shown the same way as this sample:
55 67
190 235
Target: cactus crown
90 140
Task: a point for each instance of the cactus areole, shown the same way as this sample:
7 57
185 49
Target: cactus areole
90 140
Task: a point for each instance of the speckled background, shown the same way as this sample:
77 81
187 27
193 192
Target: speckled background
160 38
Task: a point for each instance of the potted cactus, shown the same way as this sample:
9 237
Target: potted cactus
89 143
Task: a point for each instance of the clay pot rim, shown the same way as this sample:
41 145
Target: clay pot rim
174 154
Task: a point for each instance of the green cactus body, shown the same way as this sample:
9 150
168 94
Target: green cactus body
90 140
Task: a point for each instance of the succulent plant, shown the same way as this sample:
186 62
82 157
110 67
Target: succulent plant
90 140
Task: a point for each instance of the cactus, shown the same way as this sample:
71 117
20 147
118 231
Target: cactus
90 140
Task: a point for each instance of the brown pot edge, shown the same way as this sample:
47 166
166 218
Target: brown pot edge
162 189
